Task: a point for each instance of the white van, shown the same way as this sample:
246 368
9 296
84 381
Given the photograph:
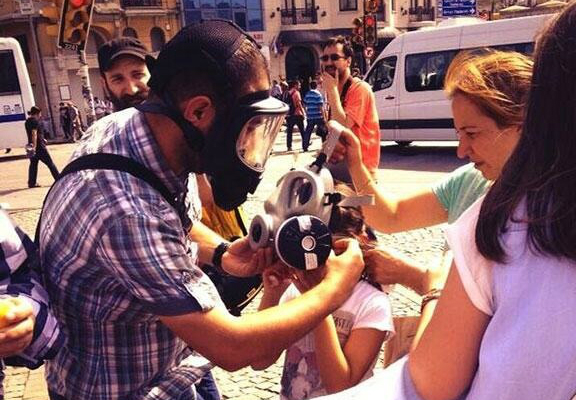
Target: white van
408 76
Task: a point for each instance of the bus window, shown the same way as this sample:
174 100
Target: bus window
382 75
426 71
9 76
524 48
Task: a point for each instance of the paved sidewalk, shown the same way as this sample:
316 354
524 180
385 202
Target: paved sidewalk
424 245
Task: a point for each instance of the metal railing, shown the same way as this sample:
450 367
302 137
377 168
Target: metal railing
418 14
141 3
295 16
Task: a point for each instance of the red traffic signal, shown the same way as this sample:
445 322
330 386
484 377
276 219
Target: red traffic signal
75 24
370 35
369 21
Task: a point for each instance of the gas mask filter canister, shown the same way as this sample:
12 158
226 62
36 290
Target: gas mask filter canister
297 214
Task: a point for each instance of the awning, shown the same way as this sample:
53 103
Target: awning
388 32
311 36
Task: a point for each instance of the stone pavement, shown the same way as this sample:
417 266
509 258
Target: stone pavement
402 170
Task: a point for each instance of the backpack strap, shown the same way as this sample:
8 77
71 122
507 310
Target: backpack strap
345 89
113 162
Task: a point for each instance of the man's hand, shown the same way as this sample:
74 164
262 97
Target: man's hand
348 148
344 270
241 260
329 82
17 325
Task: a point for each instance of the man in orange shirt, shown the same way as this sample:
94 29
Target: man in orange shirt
351 103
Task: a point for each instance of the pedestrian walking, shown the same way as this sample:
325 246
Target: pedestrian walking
315 112
74 116
65 123
36 139
295 115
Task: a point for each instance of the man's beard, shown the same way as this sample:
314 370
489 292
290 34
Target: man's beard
127 101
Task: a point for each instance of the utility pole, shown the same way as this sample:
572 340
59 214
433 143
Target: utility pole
74 28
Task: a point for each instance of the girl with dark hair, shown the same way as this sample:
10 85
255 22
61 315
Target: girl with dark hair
342 350
504 326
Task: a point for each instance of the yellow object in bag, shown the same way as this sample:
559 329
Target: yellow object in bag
236 292
228 224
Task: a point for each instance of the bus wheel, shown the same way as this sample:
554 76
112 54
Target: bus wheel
404 143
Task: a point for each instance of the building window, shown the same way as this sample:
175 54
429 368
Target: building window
245 13
348 5
157 38
207 4
130 32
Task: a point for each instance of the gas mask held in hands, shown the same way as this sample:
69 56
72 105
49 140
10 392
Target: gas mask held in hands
297 214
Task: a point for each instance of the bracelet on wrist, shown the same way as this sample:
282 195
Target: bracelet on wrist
433 294
217 256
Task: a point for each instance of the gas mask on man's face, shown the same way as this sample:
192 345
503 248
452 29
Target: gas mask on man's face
297 214
235 154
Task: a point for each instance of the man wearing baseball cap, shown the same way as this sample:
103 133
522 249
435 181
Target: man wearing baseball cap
122 275
123 71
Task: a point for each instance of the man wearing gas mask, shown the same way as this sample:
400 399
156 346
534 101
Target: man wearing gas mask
123 278
124 75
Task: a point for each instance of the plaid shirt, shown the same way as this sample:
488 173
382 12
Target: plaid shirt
116 257
18 260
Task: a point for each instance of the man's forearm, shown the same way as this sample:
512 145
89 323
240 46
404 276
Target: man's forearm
207 239
234 343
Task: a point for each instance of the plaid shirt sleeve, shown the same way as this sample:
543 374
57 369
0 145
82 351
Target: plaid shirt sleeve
18 260
151 258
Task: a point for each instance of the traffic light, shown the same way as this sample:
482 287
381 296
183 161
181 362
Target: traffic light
74 24
357 31
52 14
371 6
370 34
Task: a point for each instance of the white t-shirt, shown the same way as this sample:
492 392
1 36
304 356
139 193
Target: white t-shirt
367 307
528 348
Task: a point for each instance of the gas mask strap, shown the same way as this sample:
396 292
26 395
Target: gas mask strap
193 136
357 201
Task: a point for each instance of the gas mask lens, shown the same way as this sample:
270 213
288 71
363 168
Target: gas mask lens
256 139
300 192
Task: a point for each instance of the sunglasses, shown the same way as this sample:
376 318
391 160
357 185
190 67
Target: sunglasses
333 57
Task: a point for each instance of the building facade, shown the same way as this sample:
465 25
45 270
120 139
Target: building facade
291 33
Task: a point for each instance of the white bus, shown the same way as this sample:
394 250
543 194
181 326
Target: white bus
15 94
408 76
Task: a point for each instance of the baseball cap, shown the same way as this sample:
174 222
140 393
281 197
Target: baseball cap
110 51
208 44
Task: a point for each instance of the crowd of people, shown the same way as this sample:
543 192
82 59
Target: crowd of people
121 255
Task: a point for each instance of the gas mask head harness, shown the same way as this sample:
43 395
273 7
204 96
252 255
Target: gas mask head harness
235 151
297 214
